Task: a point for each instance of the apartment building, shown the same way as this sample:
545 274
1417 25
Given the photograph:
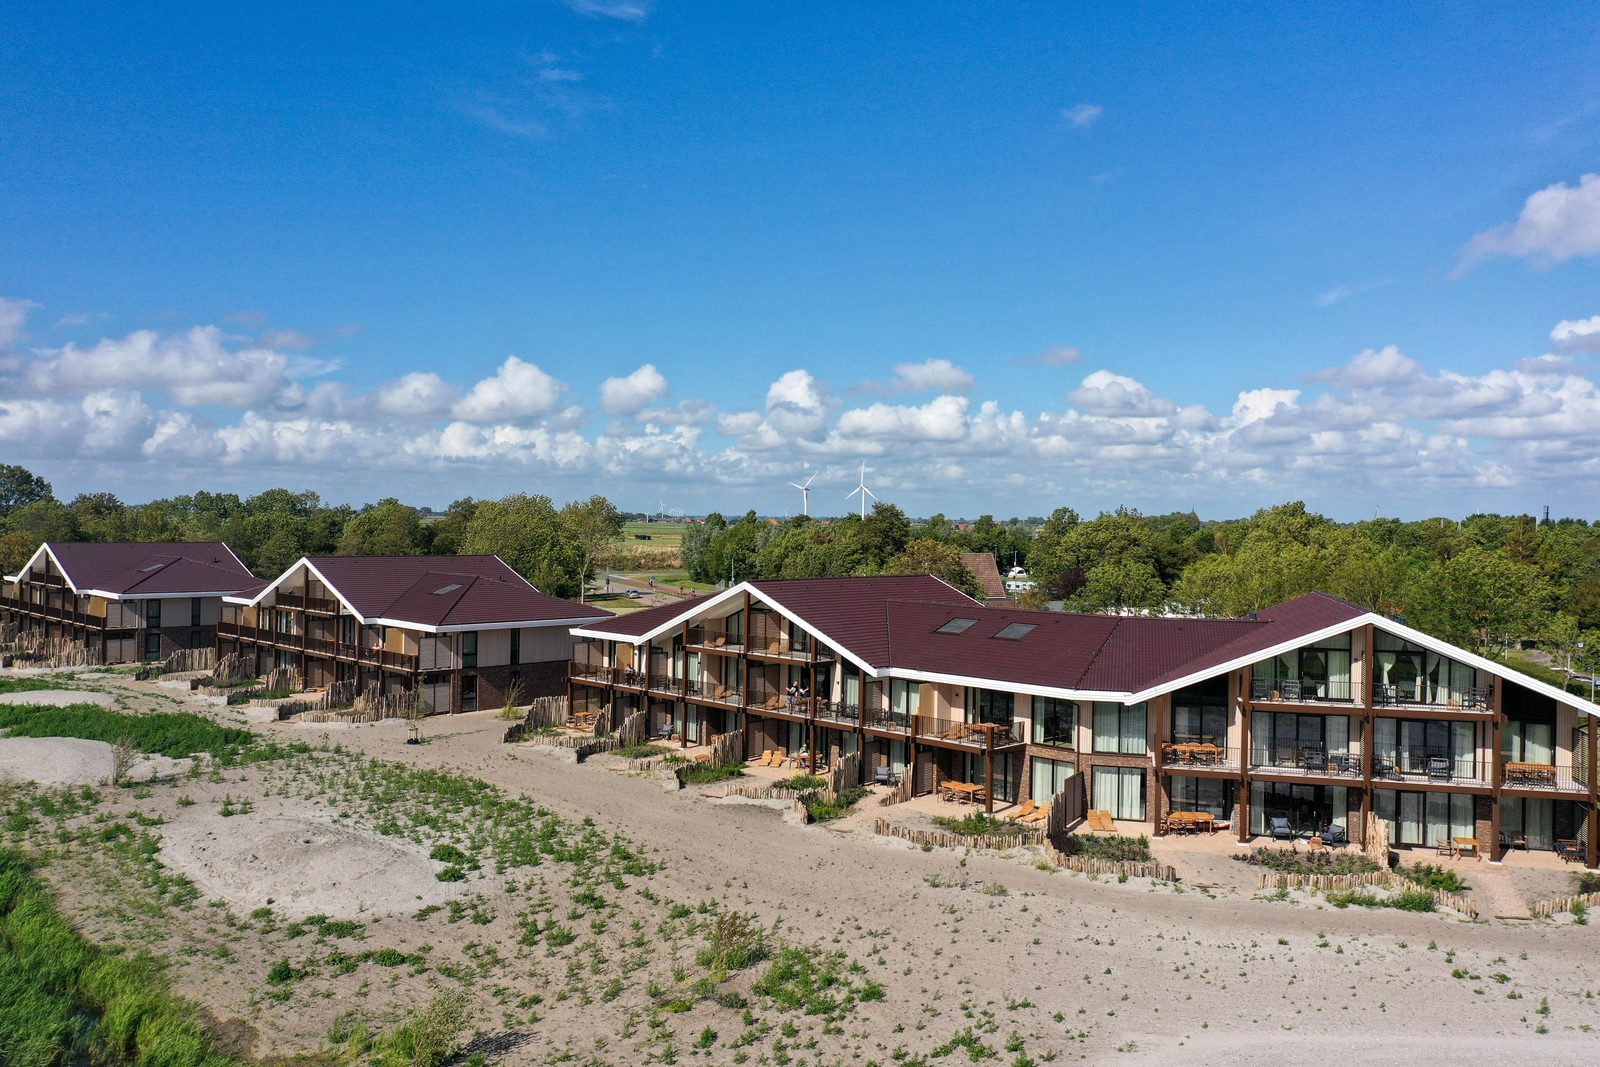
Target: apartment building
1313 711
125 601
462 629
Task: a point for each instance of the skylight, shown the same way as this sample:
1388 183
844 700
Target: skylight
451 588
1015 632
152 567
957 626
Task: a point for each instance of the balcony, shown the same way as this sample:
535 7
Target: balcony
1395 696
589 672
321 605
1311 760
1300 691
715 639
714 692
977 736
885 720
50 611
1545 777
837 712
1199 755
1432 765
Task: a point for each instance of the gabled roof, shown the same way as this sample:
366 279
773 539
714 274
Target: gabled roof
436 593
984 568
146 569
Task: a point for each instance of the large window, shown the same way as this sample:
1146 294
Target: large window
989 705
1049 776
1528 820
1214 795
1410 674
1200 713
1280 740
469 692
1425 746
1309 808
152 613
516 647
1120 728
194 611
902 700
1528 742
1311 672
1425 819
1119 790
1055 722
469 648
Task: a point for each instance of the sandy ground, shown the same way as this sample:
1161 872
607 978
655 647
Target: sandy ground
302 866
59 761
1086 969
59 697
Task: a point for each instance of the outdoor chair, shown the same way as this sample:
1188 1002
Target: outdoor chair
766 758
1028 807
1314 761
1570 851
666 732
1438 768
1513 841
1280 829
1037 817
884 776
1334 836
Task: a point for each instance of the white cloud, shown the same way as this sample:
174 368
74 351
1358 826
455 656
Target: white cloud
1256 404
193 368
1577 335
625 10
939 374
1105 393
290 340
518 390
1059 356
13 313
626 396
498 116
795 404
1082 116
1557 223
943 418
1372 367
1340 293
420 394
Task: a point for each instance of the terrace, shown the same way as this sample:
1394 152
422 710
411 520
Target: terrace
720 639
1199 755
976 736
1425 765
1301 691
1310 760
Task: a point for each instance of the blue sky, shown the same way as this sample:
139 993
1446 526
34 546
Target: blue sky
1010 257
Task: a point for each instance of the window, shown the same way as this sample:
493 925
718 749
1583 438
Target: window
194 639
194 611
1309 808
989 705
1312 672
1049 776
1424 819
469 692
1529 820
1055 722
1409 674
451 588
902 700
1015 631
152 613
1214 795
1119 790
957 626
975 769
1529 742
1409 746
1278 740
1120 728
152 644
516 646
469 648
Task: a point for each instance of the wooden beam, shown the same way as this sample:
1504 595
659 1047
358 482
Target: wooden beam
1594 797
1369 677
1243 829
1497 768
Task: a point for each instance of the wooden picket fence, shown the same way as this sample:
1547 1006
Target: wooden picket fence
1161 872
1543 909
946 839
53 652
633 729
234 667
898 793
190 660
1066 808
343 702
1345 883
546 711
845 775
727 748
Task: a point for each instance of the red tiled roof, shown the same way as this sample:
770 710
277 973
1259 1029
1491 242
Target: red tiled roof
894 622
443 591
984 568
143 568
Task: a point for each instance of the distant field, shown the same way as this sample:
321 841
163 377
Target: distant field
618 605
660 534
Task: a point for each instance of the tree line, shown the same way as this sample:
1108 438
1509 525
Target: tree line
1485 582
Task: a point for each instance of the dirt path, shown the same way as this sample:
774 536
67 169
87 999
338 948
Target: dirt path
1080 967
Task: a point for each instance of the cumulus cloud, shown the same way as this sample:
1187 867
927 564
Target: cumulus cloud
1372 367
194 368
1081 116
626 396
1557 223
1577 335
1105 393
622 10
938 374
420 394
518 390
943 418
795 404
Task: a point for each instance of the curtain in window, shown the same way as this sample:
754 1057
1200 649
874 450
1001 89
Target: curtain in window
1133 735
1120 790
1106 727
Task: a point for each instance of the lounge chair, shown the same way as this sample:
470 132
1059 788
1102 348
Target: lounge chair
884 776
666 731
1513 841
1028 807
1100 819
766 757
1039 815
1280 829
1334 836
776 757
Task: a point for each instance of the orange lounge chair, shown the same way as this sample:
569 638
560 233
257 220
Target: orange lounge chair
766 757
1028 808
1038 816
778 756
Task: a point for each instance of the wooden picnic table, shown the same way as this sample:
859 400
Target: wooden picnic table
1460 845
1193 752
1190 820
1540 773
962 792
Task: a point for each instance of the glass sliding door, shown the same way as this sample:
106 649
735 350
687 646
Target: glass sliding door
1119 790
1048 777
1422 820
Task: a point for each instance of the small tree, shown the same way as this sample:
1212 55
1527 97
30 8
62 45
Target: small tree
415 713
513 700
122 756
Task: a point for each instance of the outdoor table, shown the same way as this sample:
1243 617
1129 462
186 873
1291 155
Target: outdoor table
1190 820
1541 773
1459 845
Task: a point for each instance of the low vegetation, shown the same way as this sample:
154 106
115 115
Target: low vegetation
1289 861
821 807
977 823
173 734
1429 876
1109 847
1405 900
706 773
802 783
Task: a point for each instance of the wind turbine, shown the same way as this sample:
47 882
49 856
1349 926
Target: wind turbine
863 490
805 493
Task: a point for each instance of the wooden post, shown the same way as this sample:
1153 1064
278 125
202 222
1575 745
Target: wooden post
1369 673
988 773
1497 773
1594 799
1243 829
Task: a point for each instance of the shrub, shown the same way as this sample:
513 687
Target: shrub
448 854
1288 861
977 823
802 783
734 941
706 773
1430 876
1409 900
1586 882
174 734
1114 848
451 874
821 809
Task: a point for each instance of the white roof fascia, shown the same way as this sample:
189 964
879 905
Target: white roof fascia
650 635
1499 670
909 674
44 548
456 628
1251 657
272 587
153 596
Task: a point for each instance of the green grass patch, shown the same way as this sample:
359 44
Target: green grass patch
801 783
63 999
822 809
167 733
1288 861
642 750
705 773
1409 900
1429 876
27 685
